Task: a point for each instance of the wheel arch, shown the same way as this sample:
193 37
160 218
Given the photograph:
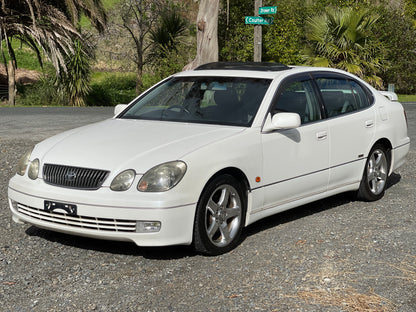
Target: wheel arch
388 147
236 173
240 176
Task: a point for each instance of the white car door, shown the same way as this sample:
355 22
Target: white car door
351 123
295 161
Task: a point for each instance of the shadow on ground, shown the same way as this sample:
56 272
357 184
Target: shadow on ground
177 252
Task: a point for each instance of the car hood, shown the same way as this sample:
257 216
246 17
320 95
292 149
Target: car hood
118 144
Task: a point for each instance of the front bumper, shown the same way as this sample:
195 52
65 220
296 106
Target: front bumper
101 214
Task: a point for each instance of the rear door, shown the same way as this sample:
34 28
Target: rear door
351 122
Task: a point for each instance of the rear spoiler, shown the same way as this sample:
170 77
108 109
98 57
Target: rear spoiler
390 95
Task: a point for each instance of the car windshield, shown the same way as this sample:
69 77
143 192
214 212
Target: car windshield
213 100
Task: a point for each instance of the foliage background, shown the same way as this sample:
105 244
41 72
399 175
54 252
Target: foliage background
112 79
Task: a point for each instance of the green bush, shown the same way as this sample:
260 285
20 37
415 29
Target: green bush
110 89
41 93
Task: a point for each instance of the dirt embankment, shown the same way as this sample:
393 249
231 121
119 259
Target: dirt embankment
23 76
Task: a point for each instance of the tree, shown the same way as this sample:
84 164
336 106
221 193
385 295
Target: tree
207 34
75 82
41 26
139 18
235 38
73 9
398 33
171 48
342 38
284 39
47 26
167 33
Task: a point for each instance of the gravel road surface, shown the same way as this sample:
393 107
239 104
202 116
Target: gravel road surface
333 255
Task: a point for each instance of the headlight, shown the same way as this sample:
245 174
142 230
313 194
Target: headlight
34 169
123 180
162 177
22 164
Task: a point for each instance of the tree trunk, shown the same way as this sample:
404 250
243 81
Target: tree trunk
11 76
139 70
207 34
139 80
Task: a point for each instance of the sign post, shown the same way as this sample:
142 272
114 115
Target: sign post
258 20
257 33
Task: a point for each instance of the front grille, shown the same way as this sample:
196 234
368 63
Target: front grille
90 223
74 177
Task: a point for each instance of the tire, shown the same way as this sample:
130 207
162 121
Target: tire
220 216
376 171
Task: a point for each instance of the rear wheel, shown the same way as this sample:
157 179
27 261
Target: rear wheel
220 216
374 181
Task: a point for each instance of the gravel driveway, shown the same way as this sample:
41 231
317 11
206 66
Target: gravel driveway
334 255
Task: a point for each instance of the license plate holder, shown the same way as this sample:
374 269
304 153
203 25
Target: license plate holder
69 209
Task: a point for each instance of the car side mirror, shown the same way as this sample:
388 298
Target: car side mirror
281 121
119 108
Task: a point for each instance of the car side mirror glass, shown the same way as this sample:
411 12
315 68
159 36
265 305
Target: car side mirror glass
119 108
282 121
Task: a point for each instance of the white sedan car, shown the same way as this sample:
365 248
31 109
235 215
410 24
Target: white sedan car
205 153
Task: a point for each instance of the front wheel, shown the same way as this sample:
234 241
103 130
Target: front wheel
374 181
220 216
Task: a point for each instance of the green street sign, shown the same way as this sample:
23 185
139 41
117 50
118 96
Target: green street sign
258 20
268 10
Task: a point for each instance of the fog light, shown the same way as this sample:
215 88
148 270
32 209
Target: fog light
13 204
148 226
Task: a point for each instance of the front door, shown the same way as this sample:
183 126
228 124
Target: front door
296 161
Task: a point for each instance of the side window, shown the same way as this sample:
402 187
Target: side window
360 95
298 97
338 96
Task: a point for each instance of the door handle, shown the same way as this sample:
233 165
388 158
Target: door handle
321 135
369 123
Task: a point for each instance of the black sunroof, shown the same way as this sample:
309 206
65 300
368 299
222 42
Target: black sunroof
261 66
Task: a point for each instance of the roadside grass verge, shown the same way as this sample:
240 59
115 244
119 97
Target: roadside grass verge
111 88
407 97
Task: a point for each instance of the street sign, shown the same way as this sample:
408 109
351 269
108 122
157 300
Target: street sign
268 10
258 20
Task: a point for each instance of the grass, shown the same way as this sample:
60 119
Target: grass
407 97
26 57
109 89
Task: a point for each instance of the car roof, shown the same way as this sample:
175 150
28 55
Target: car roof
266 70
256 66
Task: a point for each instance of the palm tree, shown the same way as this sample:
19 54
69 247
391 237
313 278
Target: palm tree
49 27
75 82
341 38
166 35
92 9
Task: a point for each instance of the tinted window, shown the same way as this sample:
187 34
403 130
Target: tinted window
217 100
342 95
298 97
337 95
360 95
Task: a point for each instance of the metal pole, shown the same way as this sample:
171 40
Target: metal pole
257 33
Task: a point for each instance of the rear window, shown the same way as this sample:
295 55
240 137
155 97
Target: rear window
342 95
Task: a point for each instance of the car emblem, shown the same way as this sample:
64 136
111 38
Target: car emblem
70 176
